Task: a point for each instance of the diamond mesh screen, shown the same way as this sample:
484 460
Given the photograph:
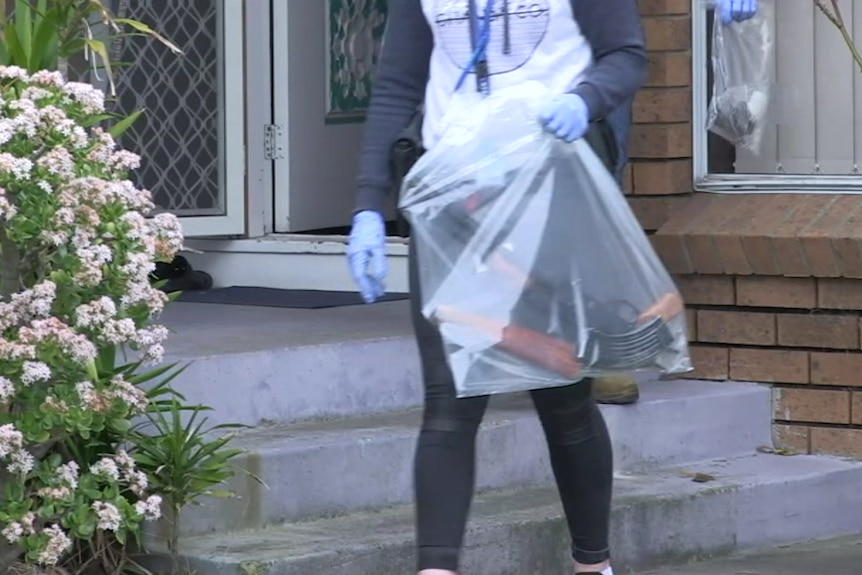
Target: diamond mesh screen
178 136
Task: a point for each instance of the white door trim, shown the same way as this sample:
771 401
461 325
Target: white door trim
258 77
232 134
281 110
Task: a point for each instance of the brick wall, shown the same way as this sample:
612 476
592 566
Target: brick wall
660 172
800 334
773 283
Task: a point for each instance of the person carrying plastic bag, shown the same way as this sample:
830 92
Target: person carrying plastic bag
590 56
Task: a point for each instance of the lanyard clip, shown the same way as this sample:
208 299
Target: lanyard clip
479 38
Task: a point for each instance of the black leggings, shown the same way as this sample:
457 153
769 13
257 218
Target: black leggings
578 442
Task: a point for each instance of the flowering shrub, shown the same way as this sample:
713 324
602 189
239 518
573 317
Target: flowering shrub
77 251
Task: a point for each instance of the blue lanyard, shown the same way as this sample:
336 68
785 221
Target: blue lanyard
478 61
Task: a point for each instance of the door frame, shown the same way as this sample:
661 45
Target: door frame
281 114
259 74
231 41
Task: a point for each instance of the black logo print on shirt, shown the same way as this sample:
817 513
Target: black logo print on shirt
517 29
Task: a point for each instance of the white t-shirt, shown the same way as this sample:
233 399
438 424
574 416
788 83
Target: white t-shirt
545 44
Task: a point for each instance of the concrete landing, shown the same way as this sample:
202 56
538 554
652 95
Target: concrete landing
833 557
660 518
205 330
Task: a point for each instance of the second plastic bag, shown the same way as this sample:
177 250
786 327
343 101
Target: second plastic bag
530 261
742 63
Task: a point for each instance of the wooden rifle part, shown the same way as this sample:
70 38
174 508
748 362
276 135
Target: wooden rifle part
541 349
549 352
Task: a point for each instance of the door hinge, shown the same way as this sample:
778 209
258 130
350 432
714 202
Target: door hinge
273 145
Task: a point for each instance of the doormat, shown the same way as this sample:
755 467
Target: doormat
270 297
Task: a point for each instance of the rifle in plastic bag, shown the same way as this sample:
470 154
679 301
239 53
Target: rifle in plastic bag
530 260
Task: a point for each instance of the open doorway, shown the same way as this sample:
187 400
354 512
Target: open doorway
324 56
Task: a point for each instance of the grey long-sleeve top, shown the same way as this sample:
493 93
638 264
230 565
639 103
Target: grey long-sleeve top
612 27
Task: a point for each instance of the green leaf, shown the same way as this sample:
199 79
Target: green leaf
107 359
121 425
17 56
46 42
120 127
158 372
99 48
24 30
144 29
86 529
46 511
41 437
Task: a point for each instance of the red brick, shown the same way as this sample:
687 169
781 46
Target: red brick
836 441
728 234
731 254
759 255
856 408
811 405
628 180
691 324
836 368
652 213
688 209
786 236
662 105
769 365
703 253
736 327
765 291
665 33
709 363
848 257
673 253
660 141
699 234
816 240
706 290
767 216
795 437
664 7
819 331
662 178
840 294
668 69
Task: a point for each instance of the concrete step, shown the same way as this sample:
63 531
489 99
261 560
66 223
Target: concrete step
659 518
335 467
257 365
839 556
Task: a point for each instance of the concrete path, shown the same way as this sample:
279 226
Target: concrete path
835 557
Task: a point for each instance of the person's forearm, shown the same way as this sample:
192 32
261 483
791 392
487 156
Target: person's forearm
614 31
399 88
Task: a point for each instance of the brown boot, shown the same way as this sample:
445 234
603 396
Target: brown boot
615 390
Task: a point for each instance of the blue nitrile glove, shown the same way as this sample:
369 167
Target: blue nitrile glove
566 117
736 10
366 254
